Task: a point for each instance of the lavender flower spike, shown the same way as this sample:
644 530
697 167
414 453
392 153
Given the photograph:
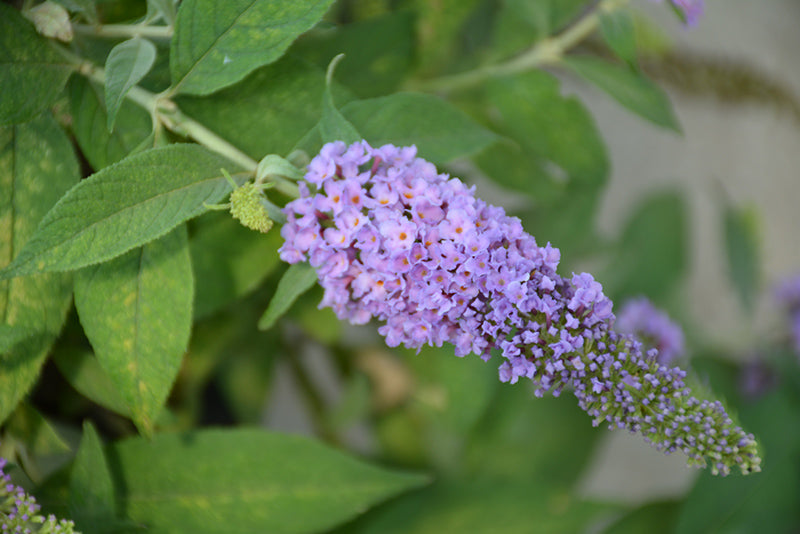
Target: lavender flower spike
652 327
394 240
19 511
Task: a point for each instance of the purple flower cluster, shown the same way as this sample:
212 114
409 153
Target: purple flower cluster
690 10
19 512
394 240
653 328
788 295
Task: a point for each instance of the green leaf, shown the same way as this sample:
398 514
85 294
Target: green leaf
288 97
742 252
91 495
126 65
441 131
12 336
652 253
32 74
236 259
520 435
482 507
451 395
123 206
619 32
84 373
217 43
297 279
89 124
369 71
320 324
166 8
467 385
38 445
629 88
29 426
545 128
654 518
137 312
549 126
37 165
522 22
245 480
333 126
440 27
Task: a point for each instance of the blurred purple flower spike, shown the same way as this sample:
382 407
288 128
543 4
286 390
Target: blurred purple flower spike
787 293
652 327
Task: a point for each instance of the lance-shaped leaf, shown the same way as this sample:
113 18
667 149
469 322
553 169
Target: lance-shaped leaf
505 506
245 480
37 165
91 495
90 124
127 64
333 126
297 279
83 372
619 32
742 251
32 74
441 131
236 258
219 42
136 311
123 206
629 88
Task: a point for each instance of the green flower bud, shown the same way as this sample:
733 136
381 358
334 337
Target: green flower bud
247 208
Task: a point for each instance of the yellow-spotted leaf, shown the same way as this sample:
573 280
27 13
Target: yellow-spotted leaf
136 311
37 166
219 42
246 480
124 206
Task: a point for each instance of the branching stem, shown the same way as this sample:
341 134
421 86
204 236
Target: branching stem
548 51
164 111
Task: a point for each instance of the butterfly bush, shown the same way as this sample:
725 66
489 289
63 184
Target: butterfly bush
19 511
652 327
393 239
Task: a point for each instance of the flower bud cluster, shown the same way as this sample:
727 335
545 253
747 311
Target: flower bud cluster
19 512
394 240
652 327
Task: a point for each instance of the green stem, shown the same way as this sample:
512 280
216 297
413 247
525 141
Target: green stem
548 51
166 112
124 30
